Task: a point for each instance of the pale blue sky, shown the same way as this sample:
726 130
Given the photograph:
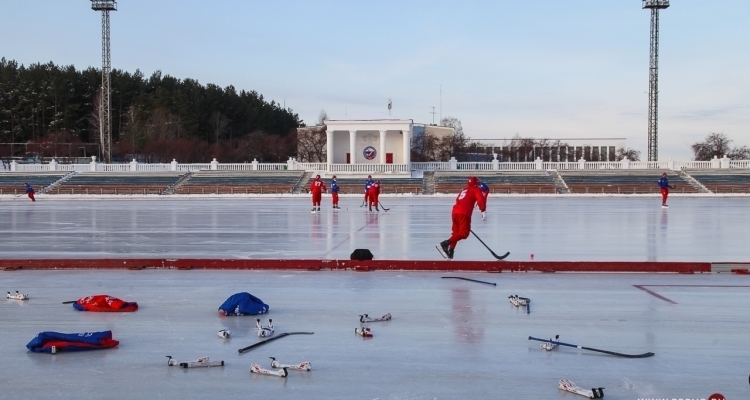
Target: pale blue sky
542 68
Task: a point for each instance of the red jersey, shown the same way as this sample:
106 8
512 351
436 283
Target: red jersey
374 189
467 199
317 186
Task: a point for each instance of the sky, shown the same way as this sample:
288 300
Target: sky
544 68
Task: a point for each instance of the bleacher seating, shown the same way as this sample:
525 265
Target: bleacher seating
13 182
503 182
723 181
387 185
622 181
121 183
240 182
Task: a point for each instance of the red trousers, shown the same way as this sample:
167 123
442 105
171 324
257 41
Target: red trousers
461 228
335 198
316 196
373 200
664 194
31 196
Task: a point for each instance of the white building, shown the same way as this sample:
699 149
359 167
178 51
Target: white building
368 139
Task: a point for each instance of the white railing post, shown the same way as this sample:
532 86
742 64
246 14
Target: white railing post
453 163
715 163
53 165
173 165
625 163
495 162
670 164
255 164
13 166
538 163
582 163
290 164
725 161
214 165
92 165
134 165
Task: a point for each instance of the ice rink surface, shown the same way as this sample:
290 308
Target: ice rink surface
449 339
553 229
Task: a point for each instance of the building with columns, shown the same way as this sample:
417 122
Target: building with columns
368 139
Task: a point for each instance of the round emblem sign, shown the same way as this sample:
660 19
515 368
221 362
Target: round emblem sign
717 396
369 153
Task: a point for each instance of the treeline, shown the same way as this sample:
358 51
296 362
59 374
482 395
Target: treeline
55 111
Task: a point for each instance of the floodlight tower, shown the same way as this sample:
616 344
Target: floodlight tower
105 128
653 78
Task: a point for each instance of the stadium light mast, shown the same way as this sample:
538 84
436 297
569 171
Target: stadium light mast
653 78
105 126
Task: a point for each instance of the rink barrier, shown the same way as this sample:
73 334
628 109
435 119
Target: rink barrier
364 266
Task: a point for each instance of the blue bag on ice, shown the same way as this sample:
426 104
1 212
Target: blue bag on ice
52 342
243 304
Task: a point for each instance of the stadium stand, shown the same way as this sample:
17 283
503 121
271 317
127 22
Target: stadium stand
121 183
505 182
240 182
13 182
622 181
723 181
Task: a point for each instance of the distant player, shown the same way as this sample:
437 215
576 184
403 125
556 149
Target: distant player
485 190
368 183
317 187
30 191
665 186
461 216
335 193
373 194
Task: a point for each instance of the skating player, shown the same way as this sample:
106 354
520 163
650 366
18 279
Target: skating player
317 187
373 194
461 216
368 183
485 190
665 186
30 191
335 193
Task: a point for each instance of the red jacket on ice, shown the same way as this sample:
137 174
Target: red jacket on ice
467 199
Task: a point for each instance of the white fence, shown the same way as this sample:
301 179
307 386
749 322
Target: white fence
293 165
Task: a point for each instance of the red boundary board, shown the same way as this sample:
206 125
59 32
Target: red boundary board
373 265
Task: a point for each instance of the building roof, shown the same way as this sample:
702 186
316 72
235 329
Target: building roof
368 117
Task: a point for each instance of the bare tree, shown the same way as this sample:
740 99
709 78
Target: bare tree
311 144
629 153
718 145
424 147
218 123
322 117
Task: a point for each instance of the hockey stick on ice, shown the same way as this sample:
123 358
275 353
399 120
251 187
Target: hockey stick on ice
279 336
69 302
488 248
382 206
467 279
644 355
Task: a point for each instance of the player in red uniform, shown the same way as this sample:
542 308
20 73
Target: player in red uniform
372 193
317 187
368 183
461 216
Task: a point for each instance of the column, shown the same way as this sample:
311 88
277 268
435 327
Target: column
329 147
352 146
407 149
382 147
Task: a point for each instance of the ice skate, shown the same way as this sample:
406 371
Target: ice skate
445 250
17 296
264 331
664 205
567 385
313 210
364 332
255 368
366 318
549 346
225 334
201 362
303 366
